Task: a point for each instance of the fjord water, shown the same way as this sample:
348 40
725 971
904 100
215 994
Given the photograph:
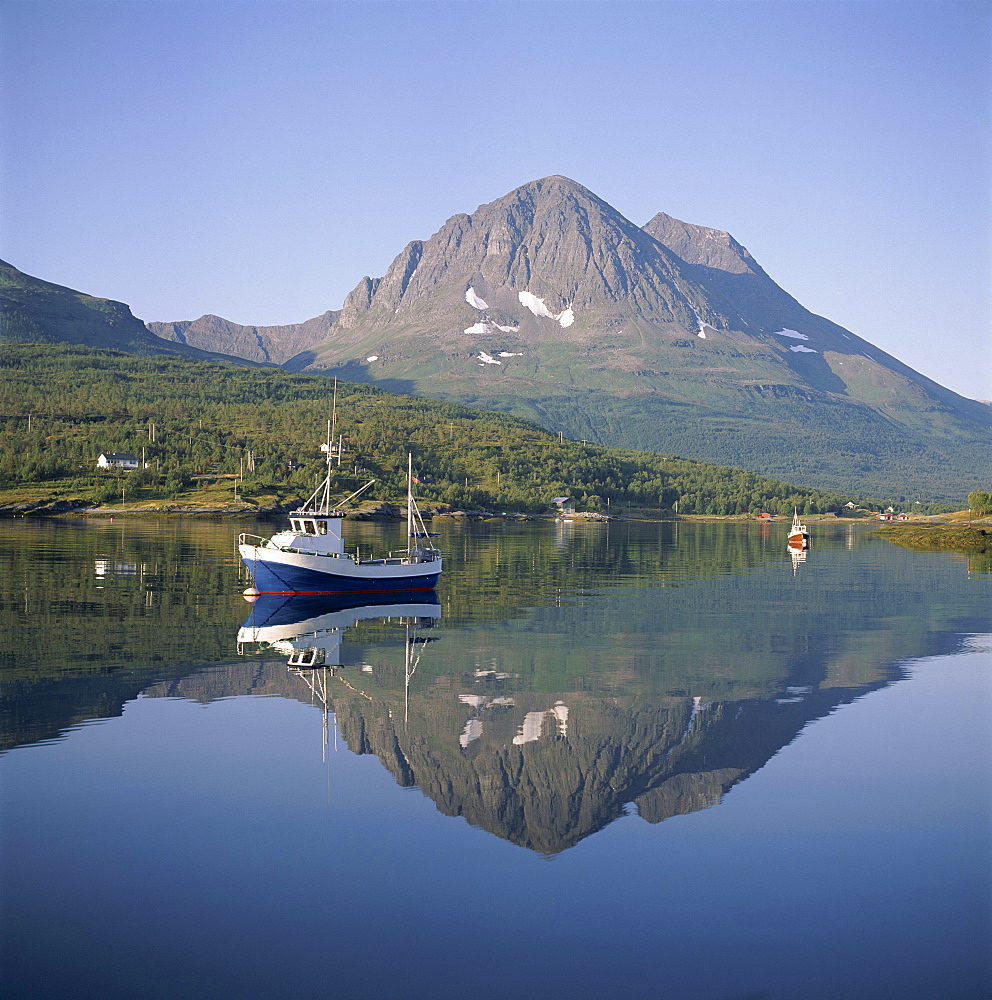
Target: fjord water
629 760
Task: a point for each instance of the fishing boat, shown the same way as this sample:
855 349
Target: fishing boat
798 533
309 557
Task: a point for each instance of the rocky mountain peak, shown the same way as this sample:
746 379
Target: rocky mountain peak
700 245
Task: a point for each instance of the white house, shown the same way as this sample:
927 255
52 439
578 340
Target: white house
117 460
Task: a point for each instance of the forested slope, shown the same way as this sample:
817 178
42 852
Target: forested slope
62 405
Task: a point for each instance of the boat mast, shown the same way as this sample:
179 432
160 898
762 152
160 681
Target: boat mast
409 501
326 500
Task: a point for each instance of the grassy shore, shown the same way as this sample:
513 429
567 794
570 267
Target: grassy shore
974 539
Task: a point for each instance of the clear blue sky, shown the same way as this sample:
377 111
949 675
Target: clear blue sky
256 159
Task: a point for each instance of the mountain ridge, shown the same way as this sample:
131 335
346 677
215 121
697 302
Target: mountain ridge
36 311
264 344
549 304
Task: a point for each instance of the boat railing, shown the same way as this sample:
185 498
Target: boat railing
258 541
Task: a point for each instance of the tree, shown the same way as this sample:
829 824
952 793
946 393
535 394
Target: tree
980 502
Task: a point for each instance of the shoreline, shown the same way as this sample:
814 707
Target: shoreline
383 511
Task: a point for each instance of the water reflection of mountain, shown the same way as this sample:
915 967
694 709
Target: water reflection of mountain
545 767
93 611
570 677
542 771
549 790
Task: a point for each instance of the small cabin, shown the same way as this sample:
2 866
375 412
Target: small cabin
338 447
565 505
902 517
884 517
117 460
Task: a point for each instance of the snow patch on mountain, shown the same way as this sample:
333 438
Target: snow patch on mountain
791 333
372 357
538 308
535 305
477 328
474 300
804 350
703 325
472 731
506 329
487 359
510 354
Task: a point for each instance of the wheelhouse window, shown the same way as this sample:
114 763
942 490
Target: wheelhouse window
295 525
321 527
309 528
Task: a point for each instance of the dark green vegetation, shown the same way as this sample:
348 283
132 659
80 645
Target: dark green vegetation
61 406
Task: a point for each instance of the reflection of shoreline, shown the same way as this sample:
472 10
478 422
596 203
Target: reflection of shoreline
591 658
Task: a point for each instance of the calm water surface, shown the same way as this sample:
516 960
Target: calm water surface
623 760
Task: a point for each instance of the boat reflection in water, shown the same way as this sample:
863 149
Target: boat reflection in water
798 555
308 629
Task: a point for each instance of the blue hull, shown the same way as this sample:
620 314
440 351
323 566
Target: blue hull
283 579
286 609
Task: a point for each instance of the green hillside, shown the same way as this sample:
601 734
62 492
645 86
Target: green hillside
33 311
62 405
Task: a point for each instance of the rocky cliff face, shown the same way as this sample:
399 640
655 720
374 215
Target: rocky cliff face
266 344
550 304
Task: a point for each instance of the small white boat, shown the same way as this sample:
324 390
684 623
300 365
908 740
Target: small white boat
309 557
798 533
